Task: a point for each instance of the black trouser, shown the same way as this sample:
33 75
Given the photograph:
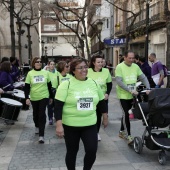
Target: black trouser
39 115
99 116
125 122
50 110
72 137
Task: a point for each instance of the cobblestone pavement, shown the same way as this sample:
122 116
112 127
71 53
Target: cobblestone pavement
19 148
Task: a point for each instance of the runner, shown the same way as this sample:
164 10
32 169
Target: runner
127 74
102 77
53 77
75 113
38 85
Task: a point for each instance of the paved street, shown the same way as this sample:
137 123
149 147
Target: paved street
19 149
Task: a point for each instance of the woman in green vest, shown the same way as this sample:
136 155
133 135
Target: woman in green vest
37 93
75 113
103 78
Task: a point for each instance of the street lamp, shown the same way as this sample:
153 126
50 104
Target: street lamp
42 46
52 48
45 49
147 29
99 29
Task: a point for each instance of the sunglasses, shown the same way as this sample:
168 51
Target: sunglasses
38 62
67 66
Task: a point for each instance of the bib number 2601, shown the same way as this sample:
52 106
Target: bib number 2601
85 104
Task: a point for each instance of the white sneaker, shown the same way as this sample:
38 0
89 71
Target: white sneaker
36 130
41 139
99 138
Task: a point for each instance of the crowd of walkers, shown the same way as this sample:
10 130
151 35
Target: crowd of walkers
75 94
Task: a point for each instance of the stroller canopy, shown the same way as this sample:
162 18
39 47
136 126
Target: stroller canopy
159 99
159 107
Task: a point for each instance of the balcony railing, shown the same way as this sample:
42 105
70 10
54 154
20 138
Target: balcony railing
156 12
120 28
68 4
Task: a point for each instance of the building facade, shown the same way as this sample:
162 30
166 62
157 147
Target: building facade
138 42
100 11
58 39
5 38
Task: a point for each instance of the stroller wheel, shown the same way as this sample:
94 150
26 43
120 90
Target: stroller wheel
162 158
138 145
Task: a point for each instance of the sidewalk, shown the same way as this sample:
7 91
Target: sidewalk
19 149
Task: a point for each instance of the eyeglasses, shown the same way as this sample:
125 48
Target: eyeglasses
38 62
81 68
67 66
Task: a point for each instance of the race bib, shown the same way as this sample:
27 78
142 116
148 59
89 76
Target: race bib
131 87
85 104
39 79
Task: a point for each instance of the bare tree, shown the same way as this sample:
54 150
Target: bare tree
78 17
27 12
10 7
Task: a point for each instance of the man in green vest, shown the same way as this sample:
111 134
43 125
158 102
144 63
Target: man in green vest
127 73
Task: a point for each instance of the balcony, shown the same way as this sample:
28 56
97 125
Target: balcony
120 28
156 15
68 4
95 47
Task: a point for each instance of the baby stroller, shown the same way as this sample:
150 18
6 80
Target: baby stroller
155 114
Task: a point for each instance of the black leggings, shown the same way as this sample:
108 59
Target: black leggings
99 116
72 137
39 115
126 106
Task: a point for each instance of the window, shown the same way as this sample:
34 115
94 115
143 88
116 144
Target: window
50 27
107 23
98 10
49 15
52 39
69 24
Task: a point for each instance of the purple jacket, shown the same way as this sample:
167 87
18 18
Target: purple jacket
6 79
156 68
14 72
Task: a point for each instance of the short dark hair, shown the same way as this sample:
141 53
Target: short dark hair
60 66
4 59
153 54
142 59
136 56
75 62
5 66
12 59
93 59
127 52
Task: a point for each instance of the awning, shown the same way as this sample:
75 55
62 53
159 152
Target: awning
115 41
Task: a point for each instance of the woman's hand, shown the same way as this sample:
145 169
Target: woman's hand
59 129
105 120
28 102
